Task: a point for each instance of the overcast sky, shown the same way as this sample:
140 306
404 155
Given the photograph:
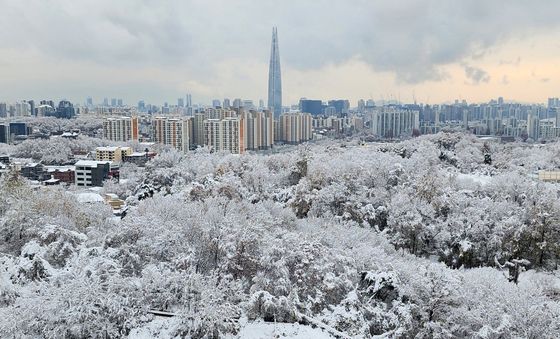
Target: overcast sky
159 50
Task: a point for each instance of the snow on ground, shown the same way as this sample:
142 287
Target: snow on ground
476 178
262 330
161 328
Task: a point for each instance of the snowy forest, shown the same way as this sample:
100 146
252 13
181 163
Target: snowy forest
440 236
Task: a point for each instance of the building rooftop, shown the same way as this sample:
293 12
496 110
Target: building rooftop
90 163
107 149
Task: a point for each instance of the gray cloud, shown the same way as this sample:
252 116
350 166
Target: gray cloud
412 39
476 75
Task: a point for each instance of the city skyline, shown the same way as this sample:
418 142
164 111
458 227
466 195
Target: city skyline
429 50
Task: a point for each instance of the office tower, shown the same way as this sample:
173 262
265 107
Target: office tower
141 106
120 102
47 102
105 102
225 135
259 127
261 104
32 107
274 77
181 102
553 102
226 103
500 101
173 132
89 102
295 128
313 107
113 102
44 110
121 129
22 109
65 110
248 105
341 107
237 103
216 103
390 122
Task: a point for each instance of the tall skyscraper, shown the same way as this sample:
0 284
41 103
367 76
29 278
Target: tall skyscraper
274 77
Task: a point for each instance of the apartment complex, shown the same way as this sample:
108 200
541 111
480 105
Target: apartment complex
259 127
389 122
225 134
175 132
294 128
121 128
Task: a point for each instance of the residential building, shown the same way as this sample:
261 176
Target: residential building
391 122
259 127
226 134
172 131
113 154
121 129
295 128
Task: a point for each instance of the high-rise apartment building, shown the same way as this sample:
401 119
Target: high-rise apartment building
389 122
274 77
121 128
173 132
259 127
295 128
225 134
198 129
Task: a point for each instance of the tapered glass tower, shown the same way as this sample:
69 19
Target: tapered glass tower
274 78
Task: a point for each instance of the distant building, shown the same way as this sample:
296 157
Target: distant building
341 107
313 107
92 173
274 77
65 110
121 129
390 122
